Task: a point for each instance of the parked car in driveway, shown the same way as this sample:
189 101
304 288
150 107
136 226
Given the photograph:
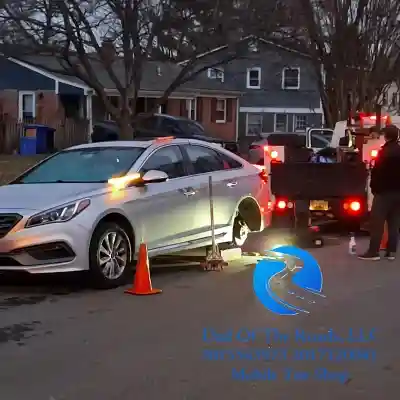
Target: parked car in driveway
157 125
88 207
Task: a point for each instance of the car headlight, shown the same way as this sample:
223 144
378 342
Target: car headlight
58 214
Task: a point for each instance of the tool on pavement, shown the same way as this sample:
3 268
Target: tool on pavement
142 281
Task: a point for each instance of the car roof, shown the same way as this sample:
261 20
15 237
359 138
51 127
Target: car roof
143 143
117 143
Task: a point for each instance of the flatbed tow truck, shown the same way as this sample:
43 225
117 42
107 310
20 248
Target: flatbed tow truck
335 192
325 193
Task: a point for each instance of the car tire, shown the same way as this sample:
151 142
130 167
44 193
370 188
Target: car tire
110 255
240 231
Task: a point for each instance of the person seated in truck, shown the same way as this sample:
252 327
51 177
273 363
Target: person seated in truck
326 156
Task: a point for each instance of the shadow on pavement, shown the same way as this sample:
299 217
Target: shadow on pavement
23 289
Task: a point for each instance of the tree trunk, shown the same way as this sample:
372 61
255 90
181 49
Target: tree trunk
124 120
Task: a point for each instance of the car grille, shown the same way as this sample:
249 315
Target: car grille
7 222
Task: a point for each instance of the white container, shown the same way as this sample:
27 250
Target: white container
352 245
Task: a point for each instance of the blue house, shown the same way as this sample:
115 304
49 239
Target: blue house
29 92
279 89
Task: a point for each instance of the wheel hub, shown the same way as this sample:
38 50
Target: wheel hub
112 254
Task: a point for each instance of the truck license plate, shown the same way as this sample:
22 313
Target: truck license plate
319 205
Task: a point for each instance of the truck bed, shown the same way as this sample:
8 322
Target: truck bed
304 181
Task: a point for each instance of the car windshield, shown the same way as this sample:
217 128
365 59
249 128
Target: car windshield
90 165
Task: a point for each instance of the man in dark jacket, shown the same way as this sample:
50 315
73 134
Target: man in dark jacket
385 186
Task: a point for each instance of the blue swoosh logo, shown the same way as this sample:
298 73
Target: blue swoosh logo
308 278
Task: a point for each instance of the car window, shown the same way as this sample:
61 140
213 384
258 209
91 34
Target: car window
168 159
325 133
150 123
84 165
191 128
229 163
169 126
204 159
318 142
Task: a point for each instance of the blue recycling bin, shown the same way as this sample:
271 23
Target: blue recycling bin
37 139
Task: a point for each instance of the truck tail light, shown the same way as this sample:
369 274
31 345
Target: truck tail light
352 206
283 204
374 154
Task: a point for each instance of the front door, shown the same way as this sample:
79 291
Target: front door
162 212
226 189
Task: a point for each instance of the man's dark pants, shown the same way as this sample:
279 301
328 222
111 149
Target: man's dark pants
385 208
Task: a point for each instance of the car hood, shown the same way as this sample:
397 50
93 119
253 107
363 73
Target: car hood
40 196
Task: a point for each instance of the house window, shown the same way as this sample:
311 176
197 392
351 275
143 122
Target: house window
281 123
216 73
221 111
300 123
254 78
291 78
191 107
27 105
254 124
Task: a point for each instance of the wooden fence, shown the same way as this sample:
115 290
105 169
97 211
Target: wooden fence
68 132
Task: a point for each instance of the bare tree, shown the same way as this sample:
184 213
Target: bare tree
119 37
352 45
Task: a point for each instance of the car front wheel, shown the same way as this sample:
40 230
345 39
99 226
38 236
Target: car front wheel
109 256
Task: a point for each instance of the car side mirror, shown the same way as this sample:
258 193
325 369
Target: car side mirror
344 141
154 176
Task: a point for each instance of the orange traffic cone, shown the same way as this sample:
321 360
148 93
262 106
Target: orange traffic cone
385 236
142 282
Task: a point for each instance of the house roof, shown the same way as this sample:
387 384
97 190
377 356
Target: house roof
247 39
157 76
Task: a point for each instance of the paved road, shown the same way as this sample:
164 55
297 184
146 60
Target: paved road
65 342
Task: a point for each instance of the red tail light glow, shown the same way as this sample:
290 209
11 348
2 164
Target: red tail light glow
274 154
264 176
281 204
355 206
374 153
352 206
266 148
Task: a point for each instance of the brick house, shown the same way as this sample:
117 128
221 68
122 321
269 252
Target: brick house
31 89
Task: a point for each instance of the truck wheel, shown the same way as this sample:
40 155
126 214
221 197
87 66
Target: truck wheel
109 256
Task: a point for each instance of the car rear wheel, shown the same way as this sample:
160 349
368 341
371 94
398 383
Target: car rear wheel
240 231
109 256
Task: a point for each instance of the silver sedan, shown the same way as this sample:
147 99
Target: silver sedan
88 208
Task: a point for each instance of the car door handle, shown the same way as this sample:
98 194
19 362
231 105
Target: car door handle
232 184
188 192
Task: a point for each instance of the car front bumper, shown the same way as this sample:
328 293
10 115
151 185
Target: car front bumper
52 248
